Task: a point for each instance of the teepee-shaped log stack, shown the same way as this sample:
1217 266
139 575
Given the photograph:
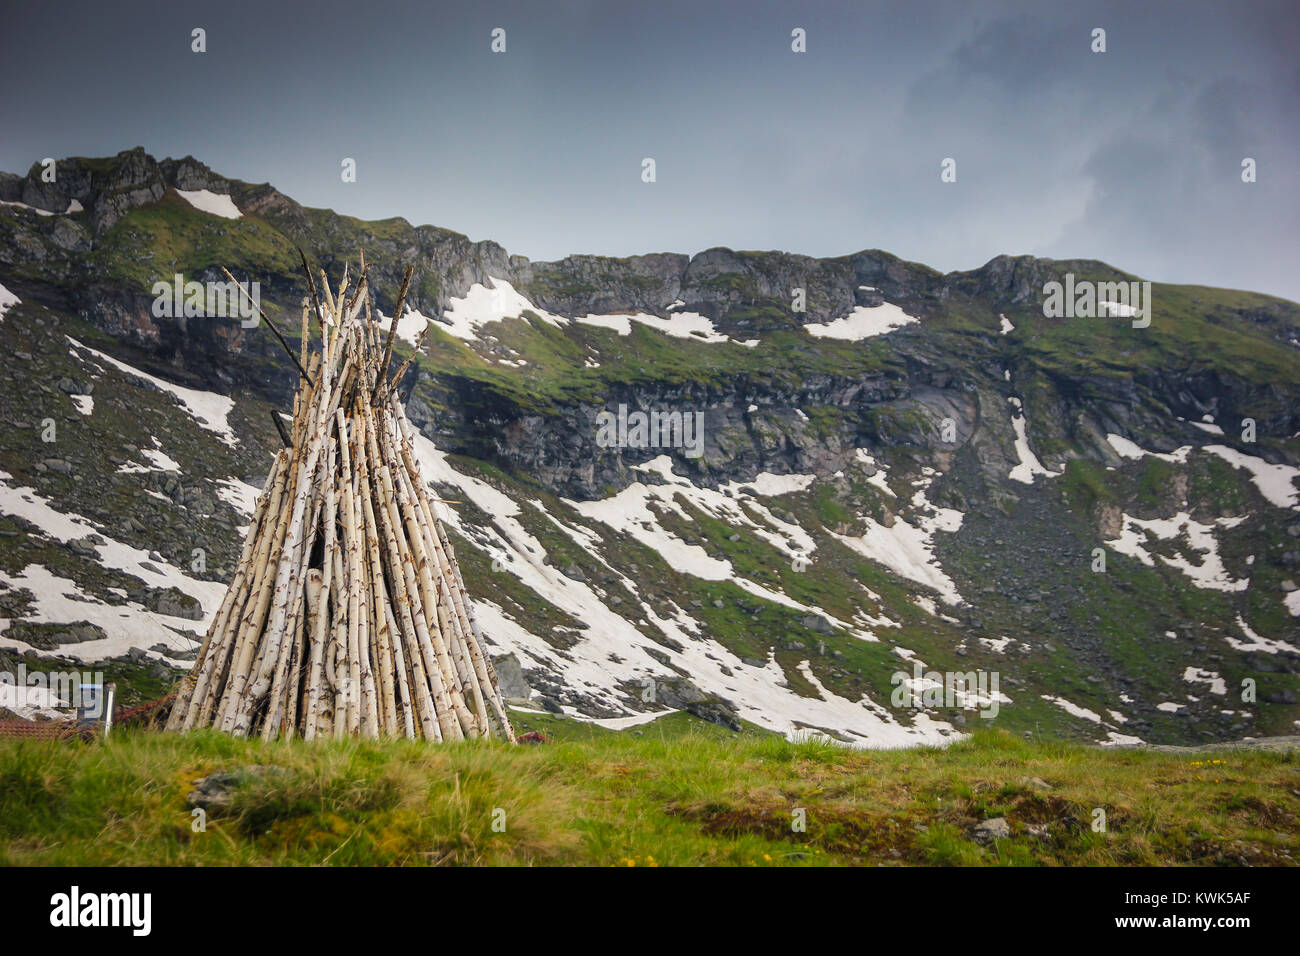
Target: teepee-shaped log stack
347 614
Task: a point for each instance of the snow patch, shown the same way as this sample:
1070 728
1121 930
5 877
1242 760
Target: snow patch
481 305
878 478
1116 739
59 600
680 325
1029 464
159 461
1209 574
409 326
862 323
1133 451
463 317
1254 642
622 723
29 504
1074 710
23 205
1195 675
997 644
240 495
21 697
7 301
1275 482
207 201
1292 602
907 548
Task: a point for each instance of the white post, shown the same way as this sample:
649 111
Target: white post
109 693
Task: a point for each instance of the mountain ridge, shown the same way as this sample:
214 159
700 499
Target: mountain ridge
136 178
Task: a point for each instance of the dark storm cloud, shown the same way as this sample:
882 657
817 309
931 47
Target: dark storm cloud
1132 156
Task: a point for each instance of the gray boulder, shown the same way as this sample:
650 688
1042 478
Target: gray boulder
510 677
990 831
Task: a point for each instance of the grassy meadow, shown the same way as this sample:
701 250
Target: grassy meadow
679 793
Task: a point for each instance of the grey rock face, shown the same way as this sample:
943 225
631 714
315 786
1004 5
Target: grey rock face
680 694
171 602
78 633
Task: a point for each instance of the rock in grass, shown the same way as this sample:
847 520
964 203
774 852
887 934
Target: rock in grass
818 623
217 790
990 831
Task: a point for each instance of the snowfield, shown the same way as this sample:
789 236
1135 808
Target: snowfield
612 651
60 600
1126 448
907 548
481 305
605 650
1275 482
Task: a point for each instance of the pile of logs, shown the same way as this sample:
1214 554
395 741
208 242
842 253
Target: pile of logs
347 614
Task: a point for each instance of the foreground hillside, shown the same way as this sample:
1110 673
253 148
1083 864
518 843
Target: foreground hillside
918 470
677 795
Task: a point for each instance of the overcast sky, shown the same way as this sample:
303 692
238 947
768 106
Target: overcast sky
1132 156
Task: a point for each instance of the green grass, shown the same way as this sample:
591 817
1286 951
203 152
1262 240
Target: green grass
1195 331
556 377
1155 481
1086 484
153 242
673 796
